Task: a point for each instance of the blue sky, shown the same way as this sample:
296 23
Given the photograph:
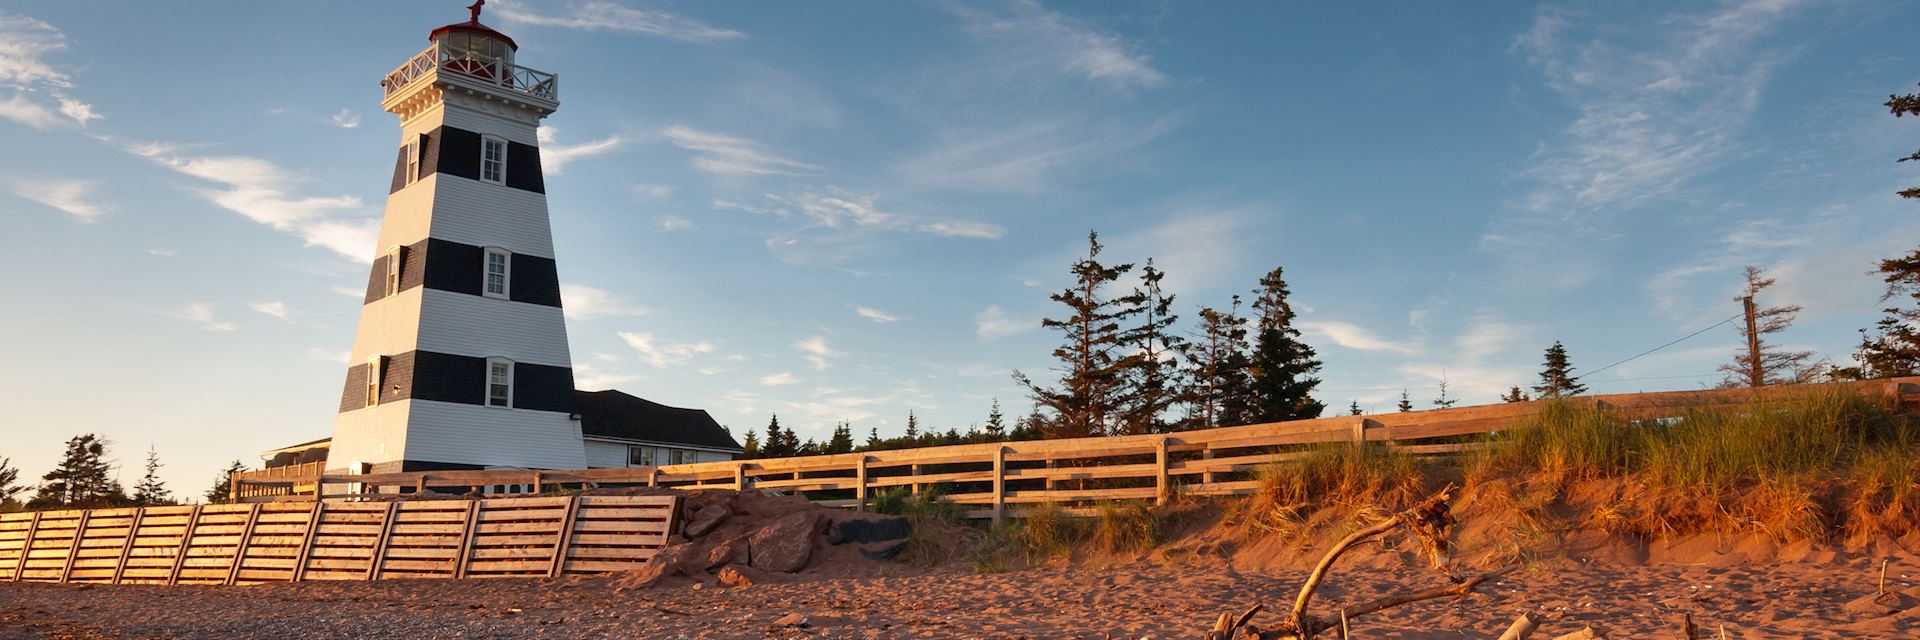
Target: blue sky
849 210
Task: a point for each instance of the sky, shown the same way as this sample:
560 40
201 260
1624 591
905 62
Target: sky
850 210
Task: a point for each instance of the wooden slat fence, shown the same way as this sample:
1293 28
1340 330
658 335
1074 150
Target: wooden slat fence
1002 479
293 541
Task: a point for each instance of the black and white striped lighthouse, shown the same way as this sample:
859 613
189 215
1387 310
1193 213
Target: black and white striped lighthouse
461 359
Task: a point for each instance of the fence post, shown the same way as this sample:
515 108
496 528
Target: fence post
999 483
739 477
536 483
466 541
1162 489
653 477
915 471
1360 432
1206 477
126 550
380 546
306 541
860 483
73 546
240 549
26 545
186 541
561 546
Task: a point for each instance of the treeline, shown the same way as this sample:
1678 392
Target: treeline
85 478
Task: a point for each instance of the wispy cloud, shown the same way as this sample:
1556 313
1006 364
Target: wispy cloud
1026 157
722 154
38 89
275 309
781 379
202 314
1029 34
664 354
554 157
834 207
875 315
610 16
164 253
672 223
581 302
256 189
1659 106
587 377
649 191
71 196
1353 336
816 352
993 322
345 119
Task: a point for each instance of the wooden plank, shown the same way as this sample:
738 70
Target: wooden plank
186 540
1162 489
999 484
627 501
240 549
860 486
562 538
126 550
26 543
466 541
73 544
380 545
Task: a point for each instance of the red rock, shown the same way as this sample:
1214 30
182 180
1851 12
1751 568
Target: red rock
706 519
734 577
787 544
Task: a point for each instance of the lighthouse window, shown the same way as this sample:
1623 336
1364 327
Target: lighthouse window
393 270
376 374
499 269
493 160
413 161
499 382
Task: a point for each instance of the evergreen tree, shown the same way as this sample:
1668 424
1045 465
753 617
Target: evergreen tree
1090 365
1443 401
842 440
9 485
1515 395
151 492
750 448
1219 392
1906 105
82 479
1150 374
1892 347
1556 376
1759 363
222 490
1353 408
873 437
1406 404
1283 366
913 426
781 443
996 423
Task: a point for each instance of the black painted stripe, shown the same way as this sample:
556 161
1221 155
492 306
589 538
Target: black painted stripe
445 377
461 268
456 152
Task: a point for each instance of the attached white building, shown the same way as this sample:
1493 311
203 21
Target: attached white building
461 357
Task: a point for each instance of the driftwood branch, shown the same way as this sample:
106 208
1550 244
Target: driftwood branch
1429 520
1461 589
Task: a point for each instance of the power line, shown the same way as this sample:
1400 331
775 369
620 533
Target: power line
1649 351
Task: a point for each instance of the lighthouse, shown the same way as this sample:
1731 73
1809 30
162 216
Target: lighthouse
460 360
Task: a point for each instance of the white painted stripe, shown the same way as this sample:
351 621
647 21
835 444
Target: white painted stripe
473 434
490 215
469 325
388 326
374 435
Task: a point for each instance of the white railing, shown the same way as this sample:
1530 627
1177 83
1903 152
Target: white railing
532 82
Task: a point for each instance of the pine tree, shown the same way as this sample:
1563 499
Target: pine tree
1219 392
1150 374
151 492
873 437
1892 347
842 440
82 479
781 443
750 447
9 485
1353 408
1556 378
1759 363
1406 404
1906 105
1515 395
1283 366
1443 401
996 429
222 490
913 426
1084 401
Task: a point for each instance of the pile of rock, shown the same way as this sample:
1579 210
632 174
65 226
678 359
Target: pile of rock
738 539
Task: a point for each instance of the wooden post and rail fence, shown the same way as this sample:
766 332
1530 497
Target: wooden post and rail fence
1001 479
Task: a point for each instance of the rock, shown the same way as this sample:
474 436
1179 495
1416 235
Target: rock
732 576
733 551
786 545
869 530
791 620
705 519
668 562
882 550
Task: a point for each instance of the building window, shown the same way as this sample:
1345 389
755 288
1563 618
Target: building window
415 150
394 260
499 271
677 457
493 160
639 456
499 382
376 376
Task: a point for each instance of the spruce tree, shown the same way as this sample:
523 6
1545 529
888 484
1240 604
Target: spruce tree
1906 105
151 492
9 485
1353 408
1515 395
842 440
1758 362
83 479
1083 401
1556 375
996 429
1151 374
873 437
781 443
222 490
750 447
1444 401
1219 390
1892 347
1406 404
913 426
1283 366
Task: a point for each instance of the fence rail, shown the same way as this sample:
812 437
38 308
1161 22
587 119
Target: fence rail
290 542
997 479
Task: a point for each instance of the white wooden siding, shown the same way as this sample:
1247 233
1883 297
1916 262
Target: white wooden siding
474 434
471 325
388 326
460 117
374 435
409 213
491 215
606 454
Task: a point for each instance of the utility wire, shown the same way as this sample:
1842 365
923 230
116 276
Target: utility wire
1715 325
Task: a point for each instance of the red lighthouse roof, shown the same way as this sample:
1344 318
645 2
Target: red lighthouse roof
472 25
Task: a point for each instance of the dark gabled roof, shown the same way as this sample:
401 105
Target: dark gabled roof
612 414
